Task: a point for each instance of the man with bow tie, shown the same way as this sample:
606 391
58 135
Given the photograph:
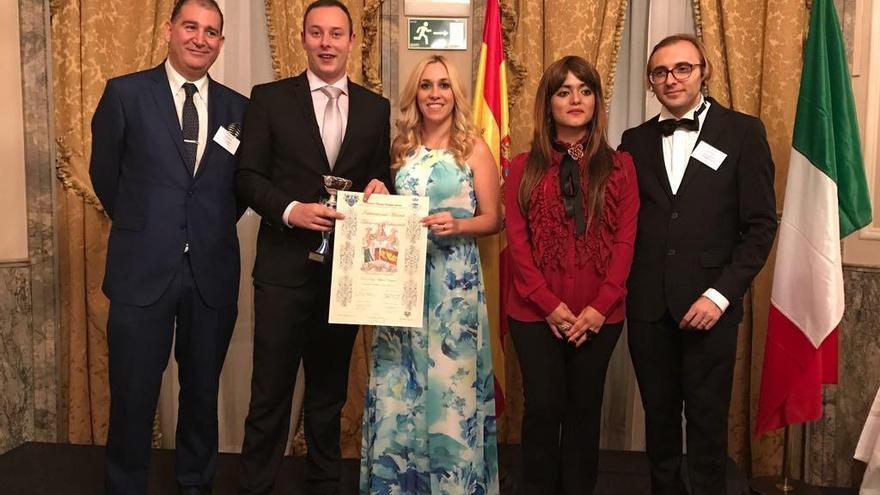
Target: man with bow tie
705 229
163 166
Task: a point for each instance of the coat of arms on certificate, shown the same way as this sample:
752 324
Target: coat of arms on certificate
379 263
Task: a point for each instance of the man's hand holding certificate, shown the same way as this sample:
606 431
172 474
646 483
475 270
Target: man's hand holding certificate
379 253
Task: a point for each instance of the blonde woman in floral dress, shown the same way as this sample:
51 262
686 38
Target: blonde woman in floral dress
429 420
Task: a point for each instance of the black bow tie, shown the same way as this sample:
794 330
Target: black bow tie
668 126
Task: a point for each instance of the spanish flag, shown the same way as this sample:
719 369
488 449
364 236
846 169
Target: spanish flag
491 117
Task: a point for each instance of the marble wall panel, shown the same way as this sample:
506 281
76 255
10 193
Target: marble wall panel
29 370
832 440
40 183
16 365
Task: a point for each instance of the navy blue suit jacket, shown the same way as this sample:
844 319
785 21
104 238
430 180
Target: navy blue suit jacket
139 174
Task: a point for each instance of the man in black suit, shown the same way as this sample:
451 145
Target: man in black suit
705 228
163 166
297 130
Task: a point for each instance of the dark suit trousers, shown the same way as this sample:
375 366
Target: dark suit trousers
140 340
563 387
694 368
291 324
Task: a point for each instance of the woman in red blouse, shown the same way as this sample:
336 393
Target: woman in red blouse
571 204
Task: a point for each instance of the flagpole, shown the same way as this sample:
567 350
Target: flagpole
784 484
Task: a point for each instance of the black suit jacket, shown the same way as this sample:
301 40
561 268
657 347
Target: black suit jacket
283 159
139 174
716 231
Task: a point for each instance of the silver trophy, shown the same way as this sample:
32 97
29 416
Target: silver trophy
333 185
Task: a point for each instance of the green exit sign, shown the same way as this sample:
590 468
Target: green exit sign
437 34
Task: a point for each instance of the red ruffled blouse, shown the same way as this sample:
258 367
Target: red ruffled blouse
551 264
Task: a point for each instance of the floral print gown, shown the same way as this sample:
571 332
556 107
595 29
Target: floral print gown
429 419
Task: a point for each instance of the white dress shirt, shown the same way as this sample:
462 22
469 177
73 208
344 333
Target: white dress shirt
200 100
319 102
677 149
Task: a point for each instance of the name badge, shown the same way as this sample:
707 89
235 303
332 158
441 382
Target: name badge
709 155
225 139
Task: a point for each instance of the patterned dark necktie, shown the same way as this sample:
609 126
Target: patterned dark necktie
190 128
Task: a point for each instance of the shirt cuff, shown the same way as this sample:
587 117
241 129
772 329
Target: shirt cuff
287 213
602 304
545 300
717 298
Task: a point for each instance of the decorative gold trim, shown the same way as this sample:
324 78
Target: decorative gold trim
69 181
371 21
55 6
273 40
611 74
156 436
698 32
298 441
509 23
698 19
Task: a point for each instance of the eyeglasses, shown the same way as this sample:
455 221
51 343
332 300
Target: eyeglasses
681 72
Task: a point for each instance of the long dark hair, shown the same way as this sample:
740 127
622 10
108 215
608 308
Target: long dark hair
599 156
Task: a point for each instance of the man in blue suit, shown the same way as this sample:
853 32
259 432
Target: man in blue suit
163 166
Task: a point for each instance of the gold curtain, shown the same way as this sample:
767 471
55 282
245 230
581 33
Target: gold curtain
541 31
756 48
289 59
91 42
536 33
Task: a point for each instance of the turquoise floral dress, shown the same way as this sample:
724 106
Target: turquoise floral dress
429 419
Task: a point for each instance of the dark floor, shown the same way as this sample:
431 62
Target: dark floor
60 469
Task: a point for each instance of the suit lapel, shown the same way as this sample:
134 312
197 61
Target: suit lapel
656 158
304 97
710 132
167 111
214 106
354 104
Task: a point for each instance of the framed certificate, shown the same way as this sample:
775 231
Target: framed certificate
379 253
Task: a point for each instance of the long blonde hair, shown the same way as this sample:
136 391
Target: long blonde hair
409 124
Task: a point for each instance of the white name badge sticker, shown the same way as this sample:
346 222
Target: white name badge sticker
709 155
227 140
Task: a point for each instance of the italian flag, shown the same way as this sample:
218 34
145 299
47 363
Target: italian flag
826 199
492 119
